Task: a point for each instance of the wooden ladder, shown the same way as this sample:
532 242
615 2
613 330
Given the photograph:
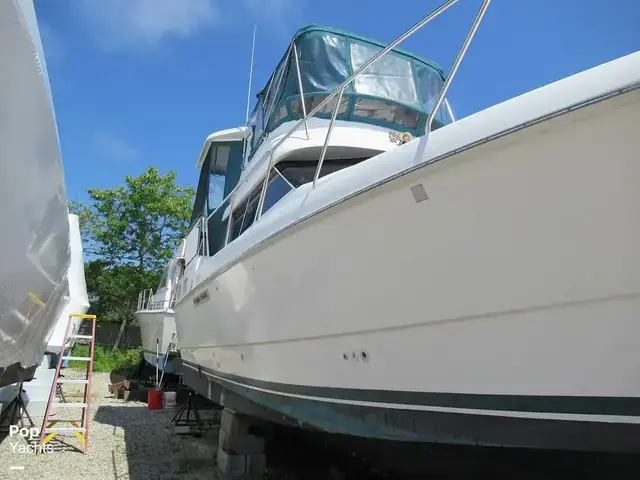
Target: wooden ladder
80 429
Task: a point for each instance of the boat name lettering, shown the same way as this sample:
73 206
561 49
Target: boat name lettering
201 297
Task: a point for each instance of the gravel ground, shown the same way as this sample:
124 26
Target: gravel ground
127 441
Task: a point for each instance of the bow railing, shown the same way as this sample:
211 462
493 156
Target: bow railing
146 301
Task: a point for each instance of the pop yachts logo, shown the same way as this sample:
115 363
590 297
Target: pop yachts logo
26 440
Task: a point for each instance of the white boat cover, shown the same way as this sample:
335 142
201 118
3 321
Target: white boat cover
34 240
78 298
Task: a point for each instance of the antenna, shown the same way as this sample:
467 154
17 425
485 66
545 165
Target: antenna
246 120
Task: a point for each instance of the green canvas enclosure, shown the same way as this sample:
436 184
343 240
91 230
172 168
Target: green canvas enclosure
398 91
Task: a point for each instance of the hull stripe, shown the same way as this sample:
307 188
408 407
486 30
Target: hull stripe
555 404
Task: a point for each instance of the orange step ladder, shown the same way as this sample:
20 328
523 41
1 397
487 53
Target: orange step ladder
80 429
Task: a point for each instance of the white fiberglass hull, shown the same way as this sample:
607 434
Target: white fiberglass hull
158 329
34 245
78 298
502 310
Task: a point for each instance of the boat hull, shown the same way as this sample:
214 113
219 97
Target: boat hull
78 298
159 326
34 245
490 298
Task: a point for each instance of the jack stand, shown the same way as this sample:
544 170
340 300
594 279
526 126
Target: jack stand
18 411
184 424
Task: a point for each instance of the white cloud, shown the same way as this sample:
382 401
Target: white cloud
274 14
119 24
142 23
113 147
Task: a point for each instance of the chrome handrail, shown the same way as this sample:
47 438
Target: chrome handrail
339 90
146 301
304 107
144 298
327 137
445 6
456 63
449 111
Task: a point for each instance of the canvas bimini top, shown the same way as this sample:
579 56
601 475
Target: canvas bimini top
398 91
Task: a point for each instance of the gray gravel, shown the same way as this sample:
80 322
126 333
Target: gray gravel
127 441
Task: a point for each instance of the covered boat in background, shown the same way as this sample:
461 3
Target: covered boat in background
34 245
78 298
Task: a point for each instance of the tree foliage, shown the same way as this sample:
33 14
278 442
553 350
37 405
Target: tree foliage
129 234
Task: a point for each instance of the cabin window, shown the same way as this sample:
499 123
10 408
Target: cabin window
323 63
275 87
386 111
219 174
312 102
278 187
300 172
244 216
256 126
216 191
250 214
277 116
163 280
237 222
168 277
218 171
391 77
430 84
217 229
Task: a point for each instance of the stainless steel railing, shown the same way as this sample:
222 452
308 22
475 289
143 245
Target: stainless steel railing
146 301
338 91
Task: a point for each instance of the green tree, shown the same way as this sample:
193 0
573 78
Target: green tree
129 234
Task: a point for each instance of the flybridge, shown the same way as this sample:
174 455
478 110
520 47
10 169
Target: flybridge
399 91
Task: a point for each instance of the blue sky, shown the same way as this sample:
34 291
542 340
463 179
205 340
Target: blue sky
143 82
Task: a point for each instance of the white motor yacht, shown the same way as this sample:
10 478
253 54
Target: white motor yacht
384 271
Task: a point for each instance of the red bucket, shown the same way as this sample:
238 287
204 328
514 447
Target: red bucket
154 399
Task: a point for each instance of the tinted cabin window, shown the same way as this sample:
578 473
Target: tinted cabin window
287 173
299 173
237 221
218 173
244 216
250 213
278 188
225 165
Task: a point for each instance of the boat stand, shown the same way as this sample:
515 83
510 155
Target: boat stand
183 423
17 410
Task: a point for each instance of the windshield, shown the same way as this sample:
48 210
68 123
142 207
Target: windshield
164 278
